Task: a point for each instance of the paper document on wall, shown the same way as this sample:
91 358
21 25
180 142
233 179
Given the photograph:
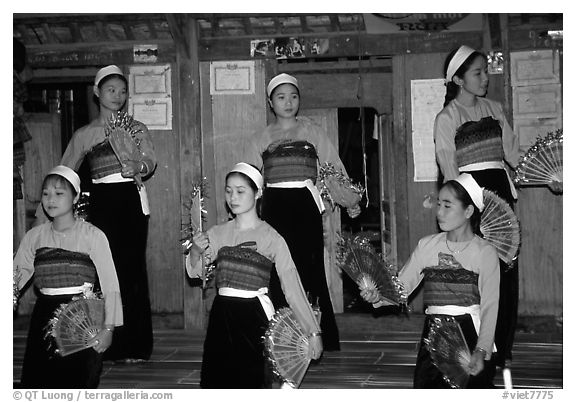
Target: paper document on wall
427 98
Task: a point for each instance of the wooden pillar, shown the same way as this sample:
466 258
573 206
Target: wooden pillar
185 34
398 145
507 101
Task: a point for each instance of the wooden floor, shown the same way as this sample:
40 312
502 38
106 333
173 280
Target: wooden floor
371 357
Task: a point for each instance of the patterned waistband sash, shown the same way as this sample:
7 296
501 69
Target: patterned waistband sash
103 161
290 161
59 268
479 141
241 267
449 283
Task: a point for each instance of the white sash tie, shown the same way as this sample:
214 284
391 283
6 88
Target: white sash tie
301 184
70 290
491 165
118 178
261 294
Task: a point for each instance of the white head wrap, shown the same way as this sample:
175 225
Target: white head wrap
279 80
251 172
459 57
68 174
472 188
105 72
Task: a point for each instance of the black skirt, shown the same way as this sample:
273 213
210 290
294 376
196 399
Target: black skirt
427 375
295 216
42 367
234 346
116 210
496 181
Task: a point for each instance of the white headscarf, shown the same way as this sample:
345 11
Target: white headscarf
68 174
459 57
251 172
279 80
472 188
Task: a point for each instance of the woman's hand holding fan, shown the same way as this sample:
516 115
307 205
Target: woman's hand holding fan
375 278
315 346
102 341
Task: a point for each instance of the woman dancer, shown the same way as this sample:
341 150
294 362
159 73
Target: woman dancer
290 150
472 135
246 250
120 209
460 271
66 257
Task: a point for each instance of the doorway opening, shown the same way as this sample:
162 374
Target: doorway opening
358 140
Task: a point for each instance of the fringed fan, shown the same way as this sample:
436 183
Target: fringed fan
16 275
449 351
121 132
75 324
500 227
198 213
369 270
336 188
287 347
543 162
82 207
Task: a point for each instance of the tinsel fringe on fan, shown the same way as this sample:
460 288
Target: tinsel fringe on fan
543 161
328 171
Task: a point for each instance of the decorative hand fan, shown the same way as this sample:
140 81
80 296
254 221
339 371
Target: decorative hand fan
82 207
543 162
197 218
449 350
121 130
74 324
287 347
336 188
16 275
369 270
500 227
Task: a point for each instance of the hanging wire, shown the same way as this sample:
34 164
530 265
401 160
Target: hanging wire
361 117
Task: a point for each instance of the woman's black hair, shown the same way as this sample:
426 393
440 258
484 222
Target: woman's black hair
105 80
58 180
451 87
253 186
462 195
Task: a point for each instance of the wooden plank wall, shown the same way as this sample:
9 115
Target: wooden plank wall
42 152
163 254
228 123
341 90
540 260
413 220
